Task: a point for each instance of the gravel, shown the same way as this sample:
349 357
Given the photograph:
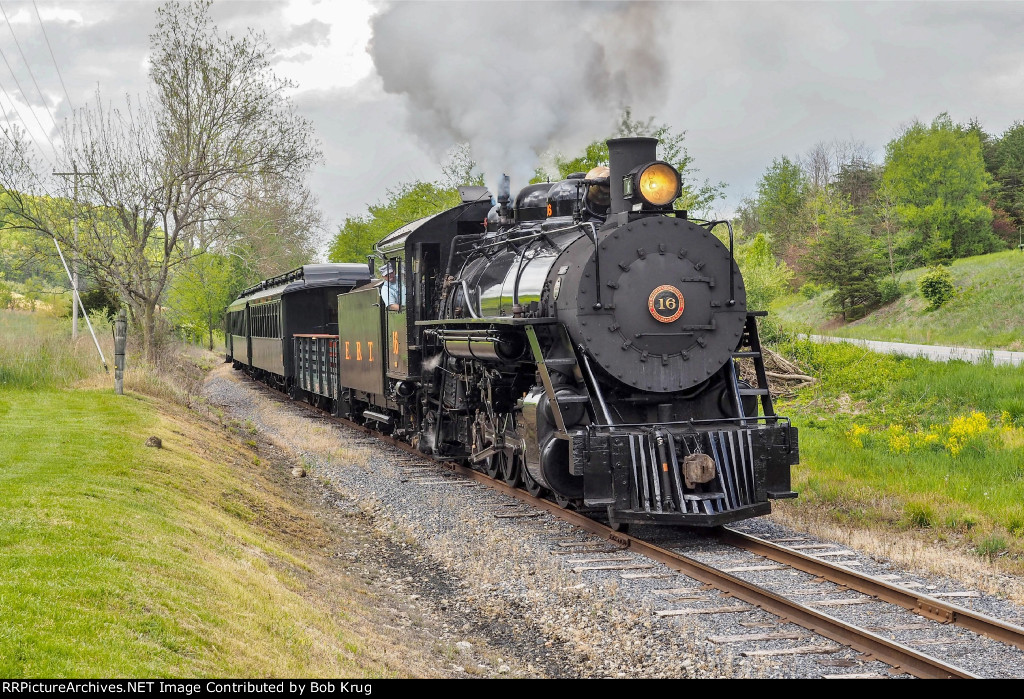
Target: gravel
517 594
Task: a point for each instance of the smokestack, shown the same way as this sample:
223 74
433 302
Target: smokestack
624 154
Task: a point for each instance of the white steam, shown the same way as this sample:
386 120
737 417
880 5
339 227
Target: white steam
515 79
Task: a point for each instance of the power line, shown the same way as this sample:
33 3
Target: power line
52 57
14 104
6 116
28 66
22 91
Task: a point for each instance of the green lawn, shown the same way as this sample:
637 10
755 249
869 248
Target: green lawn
987 312
908 443
120 560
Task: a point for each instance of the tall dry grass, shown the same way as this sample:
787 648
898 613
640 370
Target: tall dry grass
36 351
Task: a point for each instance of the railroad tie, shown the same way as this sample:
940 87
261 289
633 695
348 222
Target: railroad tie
746 569
631 566
801 650
647 576
841 602
709 610
744 637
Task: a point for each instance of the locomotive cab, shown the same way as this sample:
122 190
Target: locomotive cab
384 390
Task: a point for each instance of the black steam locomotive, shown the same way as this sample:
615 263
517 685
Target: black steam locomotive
581 341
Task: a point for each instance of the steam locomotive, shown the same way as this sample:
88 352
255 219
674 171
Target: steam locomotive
581 341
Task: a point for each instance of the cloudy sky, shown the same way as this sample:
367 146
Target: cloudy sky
391 86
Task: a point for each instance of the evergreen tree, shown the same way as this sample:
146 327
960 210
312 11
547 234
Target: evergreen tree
842 258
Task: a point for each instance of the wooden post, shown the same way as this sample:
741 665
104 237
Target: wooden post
120 338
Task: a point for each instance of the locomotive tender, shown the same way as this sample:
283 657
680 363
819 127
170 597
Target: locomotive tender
581 341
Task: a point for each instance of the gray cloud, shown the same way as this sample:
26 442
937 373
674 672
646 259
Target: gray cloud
312 33
746 81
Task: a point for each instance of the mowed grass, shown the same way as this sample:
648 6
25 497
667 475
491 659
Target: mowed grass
987 311
119 560
911 444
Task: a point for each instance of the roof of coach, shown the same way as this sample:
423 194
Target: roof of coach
309 277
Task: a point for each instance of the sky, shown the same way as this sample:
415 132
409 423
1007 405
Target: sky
391 87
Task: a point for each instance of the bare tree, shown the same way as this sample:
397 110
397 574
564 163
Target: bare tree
171 171
276 227
823 162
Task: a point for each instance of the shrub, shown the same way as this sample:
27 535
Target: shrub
810 290
936 286
6 297
889 290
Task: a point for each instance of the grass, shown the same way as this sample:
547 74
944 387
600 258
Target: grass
36 351
118 560
904 443
986 311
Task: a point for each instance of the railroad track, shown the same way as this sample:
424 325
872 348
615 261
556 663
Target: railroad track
826 579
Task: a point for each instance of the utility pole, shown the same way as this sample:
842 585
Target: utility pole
74 260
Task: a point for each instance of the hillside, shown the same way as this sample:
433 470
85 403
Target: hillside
204 557
987 311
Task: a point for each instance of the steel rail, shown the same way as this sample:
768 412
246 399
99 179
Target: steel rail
901 658
924 605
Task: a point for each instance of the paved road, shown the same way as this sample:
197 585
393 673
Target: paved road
932 352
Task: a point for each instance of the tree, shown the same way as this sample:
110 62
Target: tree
201 291
1004 158
781 195
823 164
459 168
857 180
168 173
764 278
403 204
277 227
841 257
936 175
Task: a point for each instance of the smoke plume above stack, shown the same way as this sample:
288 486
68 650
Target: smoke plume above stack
516 79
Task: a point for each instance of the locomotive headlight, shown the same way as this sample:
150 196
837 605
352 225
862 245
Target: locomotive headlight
657 184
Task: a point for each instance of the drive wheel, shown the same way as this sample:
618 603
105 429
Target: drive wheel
510 470
491 465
